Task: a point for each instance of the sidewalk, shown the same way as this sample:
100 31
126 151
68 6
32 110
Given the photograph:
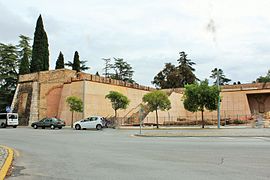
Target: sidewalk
6 158
207 132
3 156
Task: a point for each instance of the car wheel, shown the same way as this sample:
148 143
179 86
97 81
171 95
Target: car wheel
77 127
35 126
14 126
3 125
52 126
98 127
60 127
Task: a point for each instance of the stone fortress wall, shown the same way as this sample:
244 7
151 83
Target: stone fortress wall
44 94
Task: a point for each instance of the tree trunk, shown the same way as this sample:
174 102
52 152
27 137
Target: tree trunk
115 120
157 119
202 120
71 119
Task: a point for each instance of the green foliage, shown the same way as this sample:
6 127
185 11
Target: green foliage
123 70
237 121
108 66
176 76
40 53
60 61
25 53
169 77
75 104
264 79
76 62
157 100
8 74
118 100
186 69
24 65
222 79
77 65
198 97
24 46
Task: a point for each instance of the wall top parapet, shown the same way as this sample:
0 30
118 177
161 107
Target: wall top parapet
246 87
226 88
68 76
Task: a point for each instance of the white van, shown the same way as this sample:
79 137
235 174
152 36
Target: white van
9 119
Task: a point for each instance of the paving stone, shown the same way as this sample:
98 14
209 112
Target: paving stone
3 156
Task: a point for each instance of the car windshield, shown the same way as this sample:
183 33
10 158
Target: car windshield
12 116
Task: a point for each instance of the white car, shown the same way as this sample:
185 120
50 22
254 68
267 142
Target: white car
89 123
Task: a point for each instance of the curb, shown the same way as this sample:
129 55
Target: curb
152 135
4 170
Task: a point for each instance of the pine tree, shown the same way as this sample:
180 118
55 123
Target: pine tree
24 53
24 65
218 73
8 74
40 54
60 61
123 70
186 69
176 76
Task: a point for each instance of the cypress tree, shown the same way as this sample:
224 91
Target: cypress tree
40 53
60 61
76 62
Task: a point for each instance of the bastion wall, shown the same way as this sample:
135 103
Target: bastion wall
44 94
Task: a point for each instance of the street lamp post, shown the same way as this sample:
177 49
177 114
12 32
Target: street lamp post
218 110
141 119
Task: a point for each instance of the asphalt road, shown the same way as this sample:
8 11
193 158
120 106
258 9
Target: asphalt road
116 155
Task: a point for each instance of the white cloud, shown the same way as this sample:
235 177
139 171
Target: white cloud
149 33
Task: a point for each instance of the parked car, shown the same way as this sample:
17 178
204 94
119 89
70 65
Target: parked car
49 122
9 119
90 123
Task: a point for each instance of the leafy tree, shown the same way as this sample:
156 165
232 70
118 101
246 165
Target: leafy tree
169 77
118 100
40 53
77 65
157 100
222 79
60 61
75 105
123 70
264 79
8 74
198 97
25 53
176 76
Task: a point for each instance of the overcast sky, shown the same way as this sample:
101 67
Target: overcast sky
233 35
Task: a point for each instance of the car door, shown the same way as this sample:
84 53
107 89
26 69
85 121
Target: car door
85 123
93 122
47 122
40 123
